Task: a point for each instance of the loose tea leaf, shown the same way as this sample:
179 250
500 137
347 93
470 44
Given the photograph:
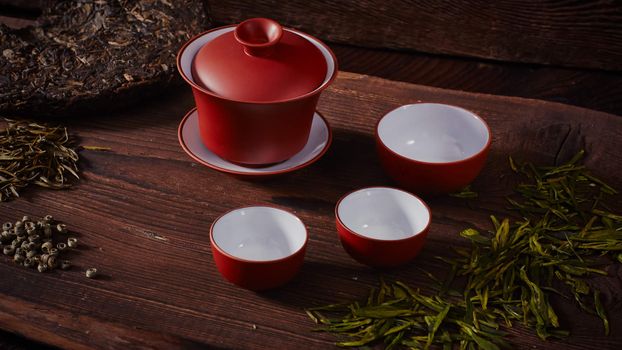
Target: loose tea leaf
466 193
511 272
96 148
406 317
38 154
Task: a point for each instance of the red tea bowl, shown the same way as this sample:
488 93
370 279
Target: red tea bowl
258 247
256 86
432 148
382 226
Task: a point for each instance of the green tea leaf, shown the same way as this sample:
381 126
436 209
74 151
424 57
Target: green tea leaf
600 311
438 320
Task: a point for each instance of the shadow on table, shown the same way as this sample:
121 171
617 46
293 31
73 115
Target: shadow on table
12 341
322 283
350 163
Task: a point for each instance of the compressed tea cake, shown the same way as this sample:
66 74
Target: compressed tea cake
92 55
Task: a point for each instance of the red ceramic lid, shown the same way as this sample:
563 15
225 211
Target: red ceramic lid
259 62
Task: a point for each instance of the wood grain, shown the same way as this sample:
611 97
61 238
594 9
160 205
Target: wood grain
593 89
585 34
143 212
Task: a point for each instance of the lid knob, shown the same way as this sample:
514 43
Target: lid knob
258 61
258 36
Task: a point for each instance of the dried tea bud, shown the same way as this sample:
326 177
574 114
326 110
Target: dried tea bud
8 250
16 243
30 232
61 246
18 258
18 227
42 267
5 236
44 258
48 218
52 263
91 272
25 218
31 254
32 246
34 238
45 247
28 262
53 251
61 228
7 226
72 242
24 245
47 231
19 250
29 225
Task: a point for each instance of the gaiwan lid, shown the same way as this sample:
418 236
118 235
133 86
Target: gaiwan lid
259 62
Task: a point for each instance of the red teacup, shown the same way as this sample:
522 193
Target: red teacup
432 148
256 87
382 226
258 247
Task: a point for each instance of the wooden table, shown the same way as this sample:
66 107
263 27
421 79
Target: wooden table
144 209
145 222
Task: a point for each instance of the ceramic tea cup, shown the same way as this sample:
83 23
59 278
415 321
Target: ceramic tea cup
382 226
432 148
258 247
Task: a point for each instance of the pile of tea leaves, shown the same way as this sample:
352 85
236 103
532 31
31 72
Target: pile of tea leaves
35 154
566 235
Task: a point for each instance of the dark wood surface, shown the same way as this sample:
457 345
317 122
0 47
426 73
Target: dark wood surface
586 34
594 89
144 209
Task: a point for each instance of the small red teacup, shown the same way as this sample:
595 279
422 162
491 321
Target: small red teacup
382 226
258 247
432 148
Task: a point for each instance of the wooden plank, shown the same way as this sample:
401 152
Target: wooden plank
565 33
143 213
593 89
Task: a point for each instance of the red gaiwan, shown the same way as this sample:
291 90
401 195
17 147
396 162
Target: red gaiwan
256 86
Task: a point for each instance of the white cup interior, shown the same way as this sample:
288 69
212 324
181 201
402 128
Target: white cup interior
259 233
383 213
187 56
433 133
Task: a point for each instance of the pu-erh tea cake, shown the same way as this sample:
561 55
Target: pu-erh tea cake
82 55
